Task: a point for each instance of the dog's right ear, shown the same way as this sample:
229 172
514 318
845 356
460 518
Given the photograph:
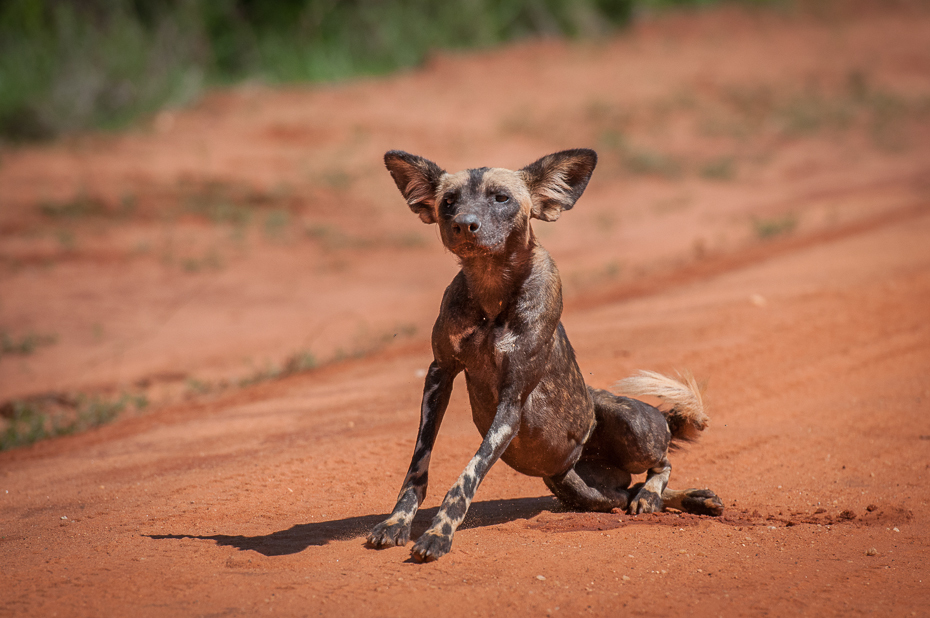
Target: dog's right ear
417 179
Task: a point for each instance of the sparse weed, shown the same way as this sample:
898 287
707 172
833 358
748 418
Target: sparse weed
25 345
640 160
330 237
723 168
776 226
672 204
211 260
49 416
810 112
605 221
587 279
66 239
269 372
337 180
301 361
277 223
521 122
219 203
80 206
128 204
885 111
612 270
650 162
198 387
613 117
405 329
223 211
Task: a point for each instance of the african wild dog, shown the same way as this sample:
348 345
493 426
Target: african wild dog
499 323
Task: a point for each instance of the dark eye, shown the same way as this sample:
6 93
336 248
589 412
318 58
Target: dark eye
501 198
449 200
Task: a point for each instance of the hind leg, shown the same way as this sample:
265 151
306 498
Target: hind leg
654 495
649 497
696 501
592 486
634 437
600 487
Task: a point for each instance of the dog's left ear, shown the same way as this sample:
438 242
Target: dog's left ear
557 181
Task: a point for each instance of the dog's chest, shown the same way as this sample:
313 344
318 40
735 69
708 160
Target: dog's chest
482 344
482 350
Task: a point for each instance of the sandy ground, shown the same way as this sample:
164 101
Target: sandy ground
760 215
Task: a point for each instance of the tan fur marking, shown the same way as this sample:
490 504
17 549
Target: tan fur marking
451 182
512 182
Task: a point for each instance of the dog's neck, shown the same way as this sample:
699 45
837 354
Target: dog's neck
494 281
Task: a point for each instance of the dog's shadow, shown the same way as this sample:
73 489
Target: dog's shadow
298 538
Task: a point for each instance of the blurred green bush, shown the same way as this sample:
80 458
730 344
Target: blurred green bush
73 64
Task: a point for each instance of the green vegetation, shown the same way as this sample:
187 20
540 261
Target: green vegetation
211 260
296 363
24 345
642 161
83 205
723 168
101 63
276 223
775 226
31 420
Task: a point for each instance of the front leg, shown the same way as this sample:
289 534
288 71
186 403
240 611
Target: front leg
437 540
395 530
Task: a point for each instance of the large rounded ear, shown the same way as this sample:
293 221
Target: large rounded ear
417 179
557 181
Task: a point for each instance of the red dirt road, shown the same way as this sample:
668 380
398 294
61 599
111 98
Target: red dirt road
758 217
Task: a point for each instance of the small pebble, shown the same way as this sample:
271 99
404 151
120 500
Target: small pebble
871 552
541 578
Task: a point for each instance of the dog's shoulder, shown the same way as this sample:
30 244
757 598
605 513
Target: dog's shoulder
458 318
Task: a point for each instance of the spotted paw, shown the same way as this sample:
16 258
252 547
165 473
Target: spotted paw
702 502
646 501
389 534
431 546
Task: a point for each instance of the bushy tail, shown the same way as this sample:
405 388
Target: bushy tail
684 411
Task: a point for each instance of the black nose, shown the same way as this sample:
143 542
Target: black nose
466 224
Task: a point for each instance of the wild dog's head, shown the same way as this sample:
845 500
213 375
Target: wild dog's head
488 210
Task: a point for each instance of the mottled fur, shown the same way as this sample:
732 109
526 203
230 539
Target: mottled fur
499 325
